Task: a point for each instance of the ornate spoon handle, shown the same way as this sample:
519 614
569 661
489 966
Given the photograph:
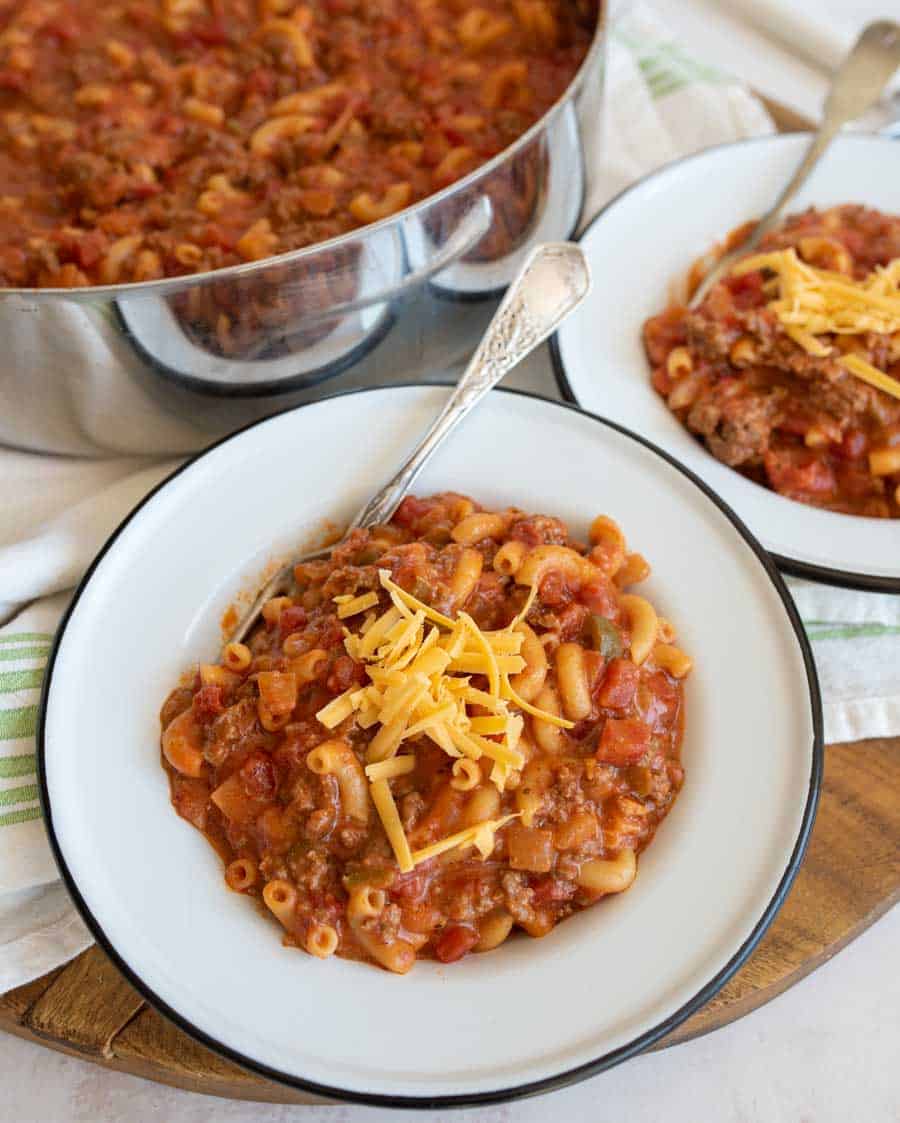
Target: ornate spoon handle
553 280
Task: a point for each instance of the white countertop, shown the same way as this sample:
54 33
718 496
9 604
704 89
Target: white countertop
825 1051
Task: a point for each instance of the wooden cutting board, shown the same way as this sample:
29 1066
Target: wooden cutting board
850 877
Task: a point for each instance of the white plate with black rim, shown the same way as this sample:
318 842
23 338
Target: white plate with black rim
640 248
534 1014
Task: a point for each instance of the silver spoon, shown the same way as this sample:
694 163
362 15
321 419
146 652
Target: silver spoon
856 87
552 282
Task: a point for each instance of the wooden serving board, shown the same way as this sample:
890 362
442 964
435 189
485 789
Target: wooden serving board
849 878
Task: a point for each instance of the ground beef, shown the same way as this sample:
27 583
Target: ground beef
736 422
539 530
566 797
519 896
845 395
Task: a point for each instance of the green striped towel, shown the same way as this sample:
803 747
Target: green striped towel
25 858
856 644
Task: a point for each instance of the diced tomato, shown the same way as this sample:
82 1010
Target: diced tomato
410 886
84 247
454 942
623 741
617 689
663 332
571 621
257 775
791 471
331 633
11 79
208 703
796 421
210 34
657 701
853 446
63 27
190 799
855 241
344 673
488 603
554 590
662 384
747 290
435 147
144 190
411 510
292 619
600 597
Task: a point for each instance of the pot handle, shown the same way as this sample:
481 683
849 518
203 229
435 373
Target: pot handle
469 231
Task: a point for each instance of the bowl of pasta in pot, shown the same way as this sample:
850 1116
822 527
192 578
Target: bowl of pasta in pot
240 198
782 389
473 759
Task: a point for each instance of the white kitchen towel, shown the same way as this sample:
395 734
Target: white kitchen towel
56 513
659 104
39 928
856 644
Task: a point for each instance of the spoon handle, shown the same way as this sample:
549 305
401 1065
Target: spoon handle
856 87
553 280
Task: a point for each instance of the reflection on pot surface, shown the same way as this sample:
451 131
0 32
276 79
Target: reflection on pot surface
267 319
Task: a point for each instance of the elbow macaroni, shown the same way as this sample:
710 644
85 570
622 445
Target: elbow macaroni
336 758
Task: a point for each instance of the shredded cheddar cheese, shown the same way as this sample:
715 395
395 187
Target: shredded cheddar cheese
481 836
350 606
419 663
810 303
388 769
393 828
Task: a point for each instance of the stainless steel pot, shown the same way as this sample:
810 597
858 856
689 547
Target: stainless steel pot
166 366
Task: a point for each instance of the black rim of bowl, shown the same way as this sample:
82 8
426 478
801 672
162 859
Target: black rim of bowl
844 579
515 1091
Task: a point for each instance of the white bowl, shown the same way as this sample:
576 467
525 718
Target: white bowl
537 1013
640 249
